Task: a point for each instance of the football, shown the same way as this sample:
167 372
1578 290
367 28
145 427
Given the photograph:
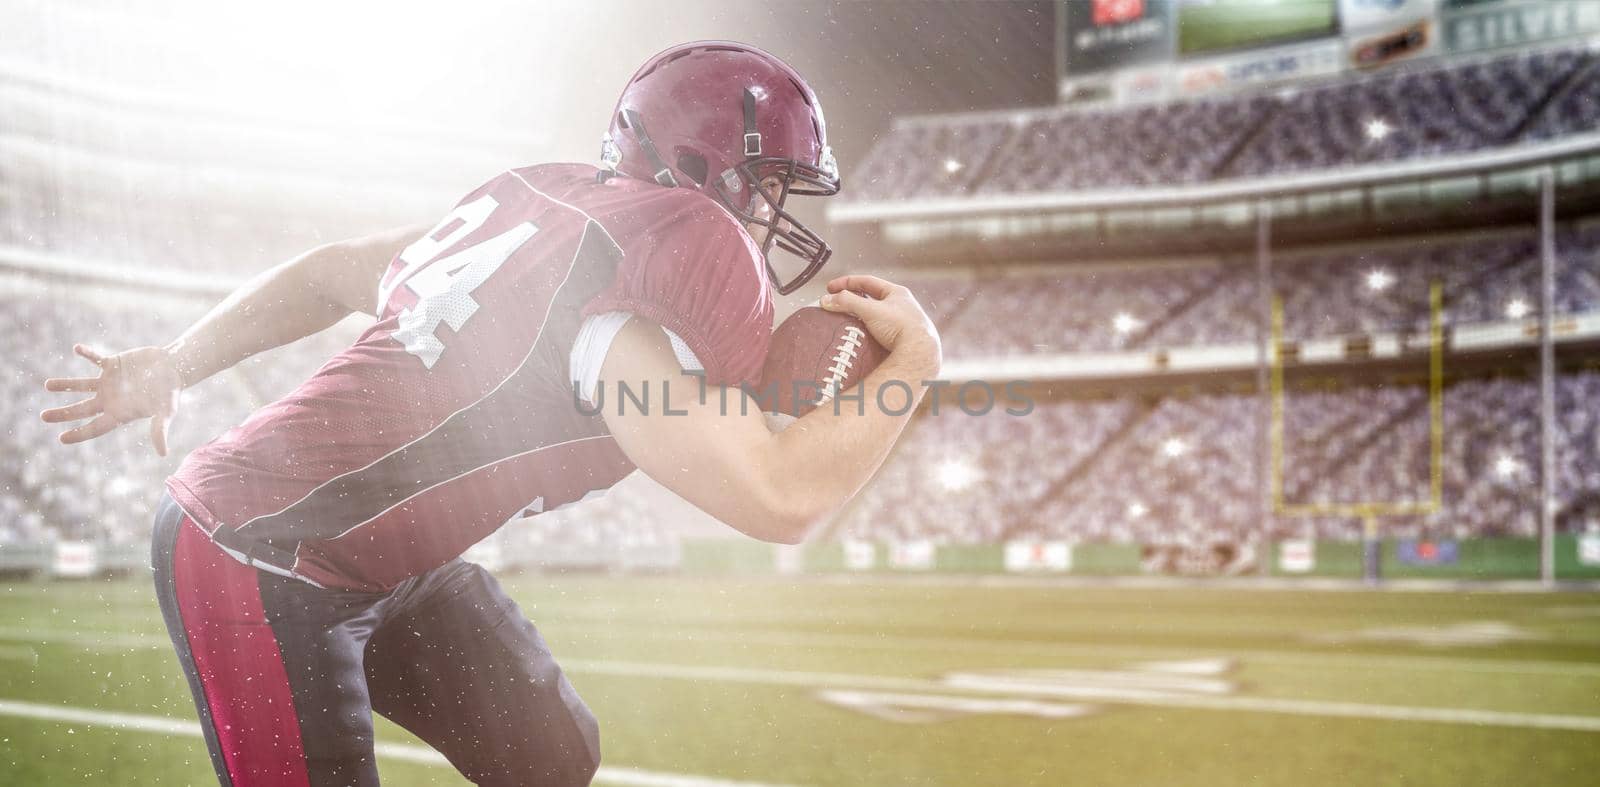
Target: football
814 355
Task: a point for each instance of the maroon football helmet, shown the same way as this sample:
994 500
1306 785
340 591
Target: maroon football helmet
722 117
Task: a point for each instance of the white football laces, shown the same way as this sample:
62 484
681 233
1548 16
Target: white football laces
844 357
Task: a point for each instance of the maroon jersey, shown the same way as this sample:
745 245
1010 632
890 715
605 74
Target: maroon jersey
455 411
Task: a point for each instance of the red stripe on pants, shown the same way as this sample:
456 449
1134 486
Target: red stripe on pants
240 667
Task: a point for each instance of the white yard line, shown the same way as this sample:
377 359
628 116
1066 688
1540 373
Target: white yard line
84 638
19 653
1106 694
1322 661
630 777
974 683
1141 582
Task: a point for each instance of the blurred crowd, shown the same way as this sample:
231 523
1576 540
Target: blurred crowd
1113 467
1325 294
106 490
1399 115
1182 467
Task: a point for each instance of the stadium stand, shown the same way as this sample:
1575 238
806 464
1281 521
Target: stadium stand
1352 290
972 476
1112 467
1165 145
1401 115
1450 109
108 494
1575 109
1182 466
1069 309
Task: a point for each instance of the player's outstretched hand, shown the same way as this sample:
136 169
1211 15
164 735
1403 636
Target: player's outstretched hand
891 313
138 383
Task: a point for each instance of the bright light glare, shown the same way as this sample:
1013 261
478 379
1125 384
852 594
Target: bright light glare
952 166
1175 447
1124 322
1378 128
1506 467
1379 279
1518 308
395 69
1137 510
955 475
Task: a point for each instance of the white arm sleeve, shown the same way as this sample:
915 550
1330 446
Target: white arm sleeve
594 341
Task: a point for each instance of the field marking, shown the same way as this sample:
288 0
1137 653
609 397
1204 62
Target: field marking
1146 582
977 683
1125 696
92 640
922 708
1431 663
1573 611
1322 708
900 644
1482 633
165 725
19 653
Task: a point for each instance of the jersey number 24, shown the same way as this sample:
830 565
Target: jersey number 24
444 285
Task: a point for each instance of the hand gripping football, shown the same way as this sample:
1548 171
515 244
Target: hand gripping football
815 354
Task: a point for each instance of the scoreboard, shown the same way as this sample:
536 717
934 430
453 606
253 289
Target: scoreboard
1152 49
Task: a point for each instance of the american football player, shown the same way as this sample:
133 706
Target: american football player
307 561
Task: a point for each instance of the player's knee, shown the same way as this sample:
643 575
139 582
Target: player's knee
562 766
585 752
585 766
578 756
559 746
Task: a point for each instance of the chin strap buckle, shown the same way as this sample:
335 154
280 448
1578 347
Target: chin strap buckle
752 137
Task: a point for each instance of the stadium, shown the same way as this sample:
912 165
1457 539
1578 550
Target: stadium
1265 449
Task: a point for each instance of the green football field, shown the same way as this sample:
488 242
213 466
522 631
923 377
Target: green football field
810 682
1227 24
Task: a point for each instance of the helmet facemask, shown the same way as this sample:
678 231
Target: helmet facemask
783 230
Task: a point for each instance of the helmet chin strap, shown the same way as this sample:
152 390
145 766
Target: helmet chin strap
752 136
664 174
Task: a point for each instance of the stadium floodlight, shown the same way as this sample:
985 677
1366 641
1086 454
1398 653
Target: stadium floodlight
1379 279
1518 308
1124 323
951 166
1507 466
1174 447
1378 128
955 475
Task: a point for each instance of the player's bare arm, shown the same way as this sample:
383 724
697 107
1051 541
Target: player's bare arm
287 302
723 459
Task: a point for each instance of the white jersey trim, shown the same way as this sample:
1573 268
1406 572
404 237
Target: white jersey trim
211 536
594 341
463 474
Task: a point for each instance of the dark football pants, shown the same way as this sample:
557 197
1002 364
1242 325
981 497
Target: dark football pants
285 675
